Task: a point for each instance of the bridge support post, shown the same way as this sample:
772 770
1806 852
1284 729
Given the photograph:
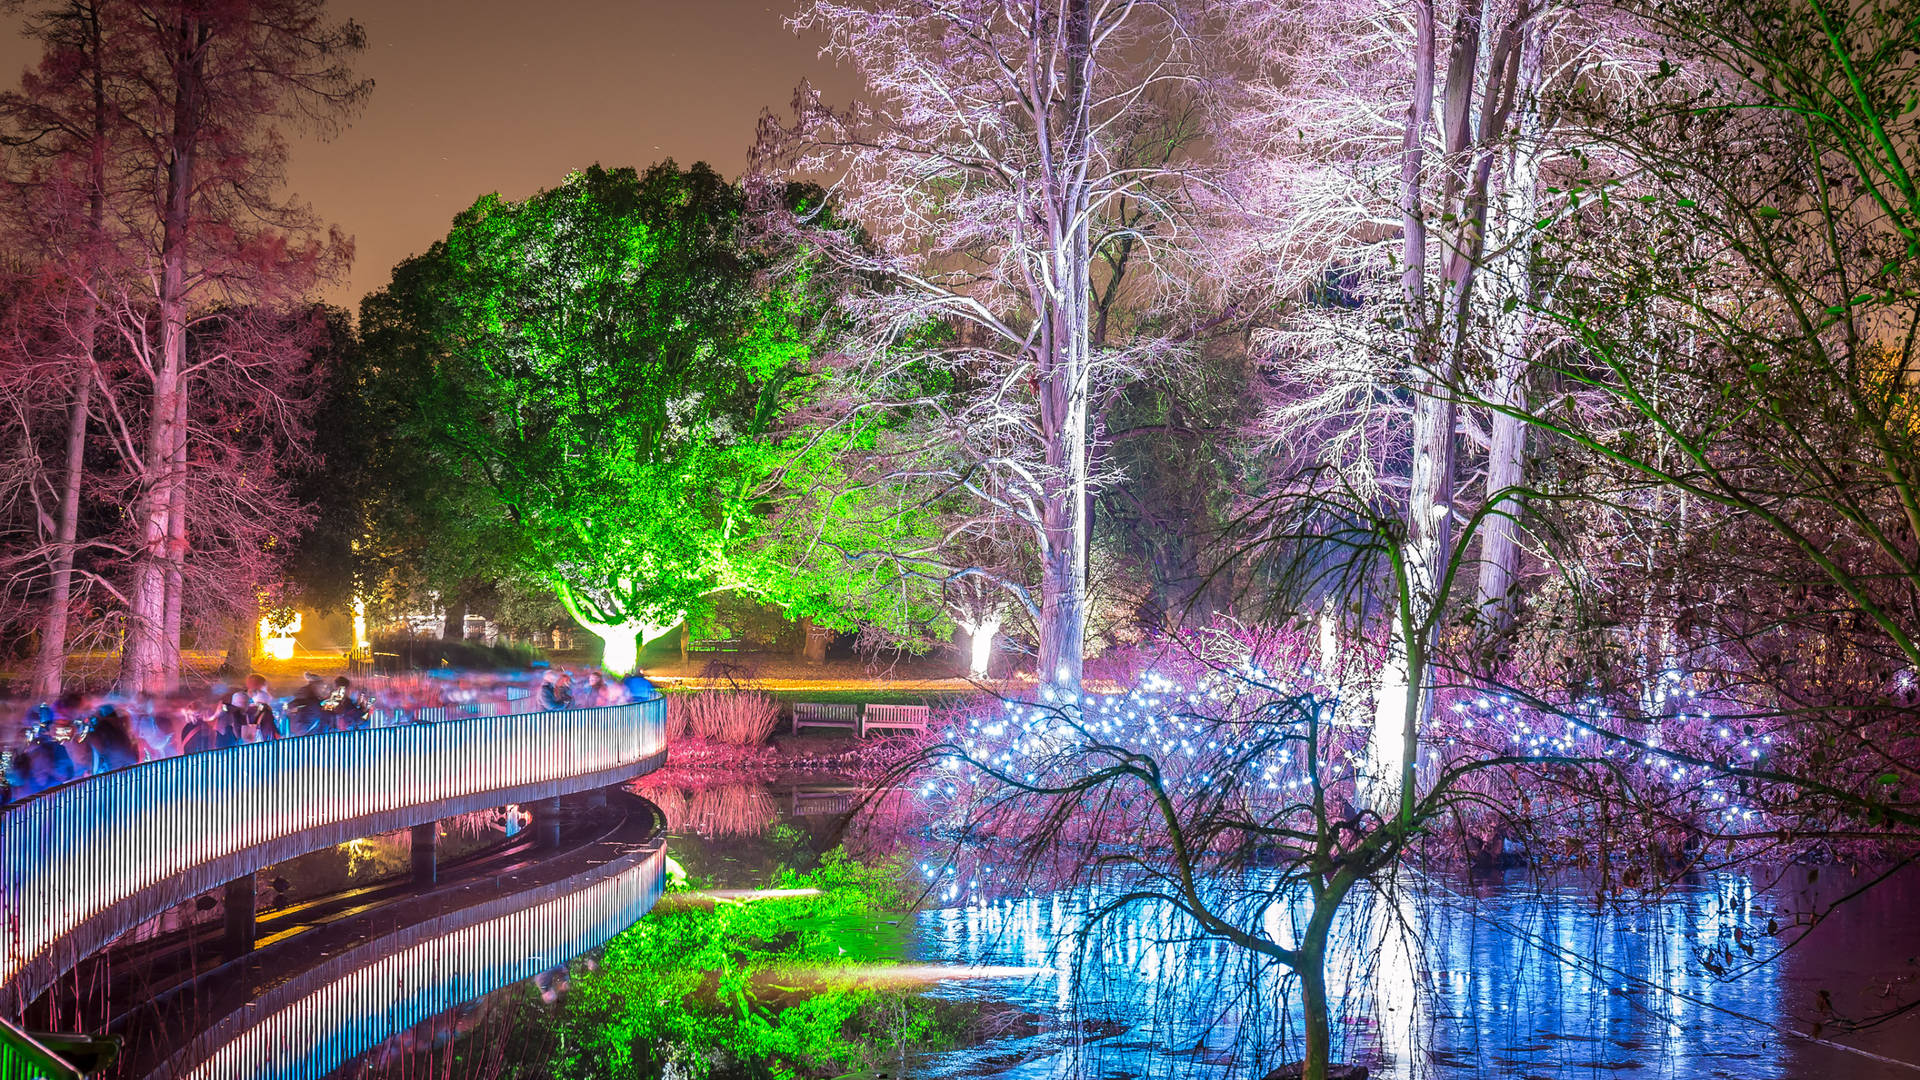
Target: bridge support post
241 912
546 823
426 853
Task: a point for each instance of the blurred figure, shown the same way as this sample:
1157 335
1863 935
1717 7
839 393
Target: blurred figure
157 731
221 729
350 711
110 744
260 724
307 710
68 712
597 692
556 691
41 764
639 687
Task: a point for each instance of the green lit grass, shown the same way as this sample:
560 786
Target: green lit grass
751 988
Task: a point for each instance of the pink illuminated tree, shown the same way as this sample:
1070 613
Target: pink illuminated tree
1396 158
60 131
206 91
173 277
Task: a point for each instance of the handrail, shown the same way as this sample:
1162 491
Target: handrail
24 1058
166 830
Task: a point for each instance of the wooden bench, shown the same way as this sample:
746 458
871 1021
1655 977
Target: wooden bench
717 645
895 717
818 714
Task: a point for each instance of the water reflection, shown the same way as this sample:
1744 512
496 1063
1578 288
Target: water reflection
1443 977
723 810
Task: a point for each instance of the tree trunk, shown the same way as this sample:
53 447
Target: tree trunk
240 649
1506 468
1065 361
454 625
143 662
50 667
818 638
1315 1017
176 544
1390 711
1512 279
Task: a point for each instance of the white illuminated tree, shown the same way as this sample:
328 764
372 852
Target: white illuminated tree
1004 147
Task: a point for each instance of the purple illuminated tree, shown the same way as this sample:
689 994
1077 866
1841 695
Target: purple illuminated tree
1392 181
205 90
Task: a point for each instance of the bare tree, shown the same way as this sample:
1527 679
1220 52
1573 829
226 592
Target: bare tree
60 129
1001 168
1394 178
200 232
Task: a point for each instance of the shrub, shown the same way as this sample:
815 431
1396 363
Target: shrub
743 718
679 715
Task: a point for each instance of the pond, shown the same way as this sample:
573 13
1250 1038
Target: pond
1515 978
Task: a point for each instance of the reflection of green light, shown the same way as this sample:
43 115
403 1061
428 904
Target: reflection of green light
784 981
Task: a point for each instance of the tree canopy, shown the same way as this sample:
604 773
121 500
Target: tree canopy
612 368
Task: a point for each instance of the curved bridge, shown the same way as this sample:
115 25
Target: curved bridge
84 863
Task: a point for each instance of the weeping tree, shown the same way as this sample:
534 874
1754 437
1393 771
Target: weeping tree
611 366
1237 786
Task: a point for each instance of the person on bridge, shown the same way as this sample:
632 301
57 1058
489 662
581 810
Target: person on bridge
260 723
349 712
220 730
556 691
44 763
109 745
639 687
307 710
155 728
599 692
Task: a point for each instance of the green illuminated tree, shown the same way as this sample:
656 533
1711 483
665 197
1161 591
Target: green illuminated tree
610 370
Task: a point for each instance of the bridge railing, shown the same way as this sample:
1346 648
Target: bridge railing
77 853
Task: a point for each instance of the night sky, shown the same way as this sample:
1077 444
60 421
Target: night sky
473 96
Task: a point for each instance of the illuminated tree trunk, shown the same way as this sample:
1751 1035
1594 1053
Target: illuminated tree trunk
1513 282
50 666
176 545
144 662
980 635
1065 364
1438 341
1432 477
814 641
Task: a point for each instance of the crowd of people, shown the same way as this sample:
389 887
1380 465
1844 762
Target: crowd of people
81 735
